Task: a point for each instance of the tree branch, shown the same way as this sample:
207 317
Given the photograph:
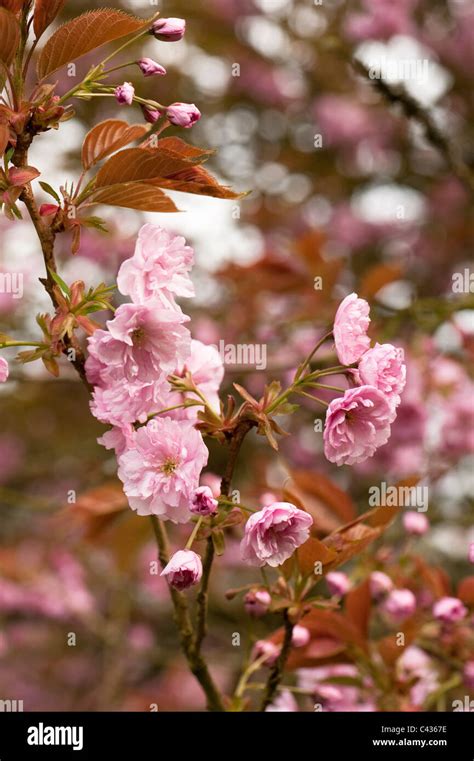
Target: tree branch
396 94
182 619
276 673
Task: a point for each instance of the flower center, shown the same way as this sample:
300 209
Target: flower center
137 336
169 466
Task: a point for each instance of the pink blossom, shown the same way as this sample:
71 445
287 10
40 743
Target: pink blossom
301 636
380 584
207 369
356 425
4 370
183 114
468 675
457 433
383 366
124 93
150 68
350 329
283 703
265 648
122 403
161 473
169 29
449 610
159 268
415 523
118 439
141 341
415 664
203 502
272 534
338 583
257 602
400 604
183 570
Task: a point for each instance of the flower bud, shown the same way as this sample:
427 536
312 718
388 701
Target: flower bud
301 636
169 29
449 610
151 114
264 648
415 523
149 67
400 604
380 584
257 602
203 502
338 583
183 570
124 93
183 114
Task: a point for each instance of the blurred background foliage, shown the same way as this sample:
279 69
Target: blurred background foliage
344 188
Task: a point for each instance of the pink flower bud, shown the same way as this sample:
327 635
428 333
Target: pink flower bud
380 584
300 637
183 114
338 583
4 370
151 114
449 610
400 604
415 523
203 503
149 67
471 552
183 570
169 29
257 602
269 649
124 93
468 675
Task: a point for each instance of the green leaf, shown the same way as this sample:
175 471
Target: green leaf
59 281
50 191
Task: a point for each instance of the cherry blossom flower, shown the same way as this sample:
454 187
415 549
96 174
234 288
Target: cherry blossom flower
383 366
183 570
350 329
4 370
161 473
356 425
273 534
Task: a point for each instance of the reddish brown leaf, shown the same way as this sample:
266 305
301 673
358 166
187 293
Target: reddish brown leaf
45 13
9 36
14 6
313 551
357 606
322 498
178 146
160 167
4 137
84 33
466 590
107 137
377 277
134 195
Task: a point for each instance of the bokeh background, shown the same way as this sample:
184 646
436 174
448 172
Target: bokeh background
343 188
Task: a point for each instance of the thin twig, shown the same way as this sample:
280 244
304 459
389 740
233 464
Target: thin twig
276 673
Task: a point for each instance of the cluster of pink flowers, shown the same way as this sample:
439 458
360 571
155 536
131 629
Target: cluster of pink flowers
358 423
128 364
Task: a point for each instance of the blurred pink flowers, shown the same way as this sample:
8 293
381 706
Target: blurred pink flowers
415 523
350 329
356 425
272 534
400 604
183 570
4 370
161 473
449 610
